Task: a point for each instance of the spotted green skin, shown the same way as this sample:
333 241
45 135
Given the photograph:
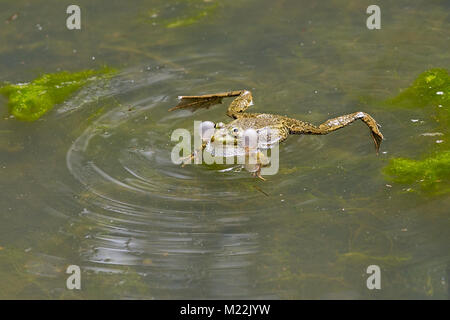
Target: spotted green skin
279 127
270 130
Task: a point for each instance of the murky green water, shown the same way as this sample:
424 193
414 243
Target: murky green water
91 183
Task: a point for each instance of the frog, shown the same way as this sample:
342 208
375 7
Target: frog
266 129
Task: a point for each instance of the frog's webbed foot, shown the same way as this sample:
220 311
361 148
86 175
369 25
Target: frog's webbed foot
300 127
257 173
377 136
203 101
242 101
194 103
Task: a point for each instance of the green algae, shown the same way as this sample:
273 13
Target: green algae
431 174
359 258
192 19
30 101
193 11
13 275
431 88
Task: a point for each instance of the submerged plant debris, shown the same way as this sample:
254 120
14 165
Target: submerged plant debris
431 174
193 11
193 18
30 101
364 259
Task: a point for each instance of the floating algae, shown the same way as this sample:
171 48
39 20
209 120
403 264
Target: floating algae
432 173
30 101
431 88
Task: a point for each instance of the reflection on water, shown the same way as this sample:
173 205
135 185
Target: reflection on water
92 182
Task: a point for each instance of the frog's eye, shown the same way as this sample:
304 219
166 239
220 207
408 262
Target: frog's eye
234 131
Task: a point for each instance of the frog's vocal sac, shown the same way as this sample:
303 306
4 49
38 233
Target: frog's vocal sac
260 123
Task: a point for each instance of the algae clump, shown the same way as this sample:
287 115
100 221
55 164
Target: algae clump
30 101
431 87
432 173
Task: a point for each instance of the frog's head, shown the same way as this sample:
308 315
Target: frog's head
228 135
221 134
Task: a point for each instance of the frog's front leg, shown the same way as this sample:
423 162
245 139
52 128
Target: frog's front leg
300 127
257 173
192 156
254 162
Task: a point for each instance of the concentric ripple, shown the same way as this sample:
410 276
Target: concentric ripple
188 229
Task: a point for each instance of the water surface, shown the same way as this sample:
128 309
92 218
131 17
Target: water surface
92 184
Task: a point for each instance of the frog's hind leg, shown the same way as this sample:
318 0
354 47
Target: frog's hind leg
300 127
240 104
242 101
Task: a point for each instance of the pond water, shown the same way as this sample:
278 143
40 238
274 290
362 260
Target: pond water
92 184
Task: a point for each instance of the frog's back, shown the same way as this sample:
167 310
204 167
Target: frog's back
258 121
269 127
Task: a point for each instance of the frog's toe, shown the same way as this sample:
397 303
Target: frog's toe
258 175
187 160
377 137
257 172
